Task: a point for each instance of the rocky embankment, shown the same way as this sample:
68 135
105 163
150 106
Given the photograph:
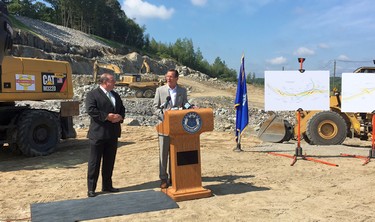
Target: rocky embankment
82 50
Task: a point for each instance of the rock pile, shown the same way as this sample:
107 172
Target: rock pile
139 110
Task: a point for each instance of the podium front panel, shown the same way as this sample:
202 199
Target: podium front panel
189 121
186 161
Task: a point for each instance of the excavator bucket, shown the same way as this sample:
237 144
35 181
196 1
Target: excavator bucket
275 130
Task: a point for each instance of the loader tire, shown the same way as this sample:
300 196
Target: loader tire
139 93
326 128
307 140
148 93
13 148
38 133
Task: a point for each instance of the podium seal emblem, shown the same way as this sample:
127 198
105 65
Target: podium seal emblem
192 122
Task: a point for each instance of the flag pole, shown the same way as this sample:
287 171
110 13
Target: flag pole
241 105
238 147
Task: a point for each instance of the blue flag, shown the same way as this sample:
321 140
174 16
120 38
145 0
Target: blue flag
241 105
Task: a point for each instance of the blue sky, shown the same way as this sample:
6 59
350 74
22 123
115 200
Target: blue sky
272 34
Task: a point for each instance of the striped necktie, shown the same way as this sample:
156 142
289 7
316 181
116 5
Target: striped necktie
111 98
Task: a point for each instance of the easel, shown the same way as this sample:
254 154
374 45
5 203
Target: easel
372 150
298 151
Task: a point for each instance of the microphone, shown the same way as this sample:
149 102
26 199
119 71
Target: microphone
166 102
187 106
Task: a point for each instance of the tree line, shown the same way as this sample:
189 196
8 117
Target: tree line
106 19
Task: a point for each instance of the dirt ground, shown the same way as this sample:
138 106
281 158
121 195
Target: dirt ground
247 186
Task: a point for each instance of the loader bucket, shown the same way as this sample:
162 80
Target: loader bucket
275 130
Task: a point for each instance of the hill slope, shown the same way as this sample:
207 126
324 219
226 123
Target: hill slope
74 46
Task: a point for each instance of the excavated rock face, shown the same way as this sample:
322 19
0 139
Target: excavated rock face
81 51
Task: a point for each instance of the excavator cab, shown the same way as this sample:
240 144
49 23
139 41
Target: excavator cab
129 78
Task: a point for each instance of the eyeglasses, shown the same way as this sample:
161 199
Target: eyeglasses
170 77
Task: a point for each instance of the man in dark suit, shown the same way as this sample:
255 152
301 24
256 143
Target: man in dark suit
168 96
106 112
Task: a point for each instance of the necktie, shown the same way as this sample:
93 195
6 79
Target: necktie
110 98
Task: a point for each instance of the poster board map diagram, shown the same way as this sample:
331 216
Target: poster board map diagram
291 90
358 92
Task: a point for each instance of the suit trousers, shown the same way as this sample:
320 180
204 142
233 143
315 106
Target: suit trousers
101 149
164 142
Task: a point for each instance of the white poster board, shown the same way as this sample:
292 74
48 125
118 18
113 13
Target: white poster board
291 90
358 92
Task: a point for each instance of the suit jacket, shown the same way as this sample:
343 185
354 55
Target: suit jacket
161 95
98 105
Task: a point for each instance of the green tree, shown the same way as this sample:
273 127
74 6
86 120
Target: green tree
22 7
56 9
44 13
201 64
183 51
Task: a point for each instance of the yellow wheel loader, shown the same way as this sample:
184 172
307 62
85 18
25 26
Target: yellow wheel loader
143 88
321 127
121 78
30 131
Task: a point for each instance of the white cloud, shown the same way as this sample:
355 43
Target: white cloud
343 57
199 2
140 9
303 51
277 61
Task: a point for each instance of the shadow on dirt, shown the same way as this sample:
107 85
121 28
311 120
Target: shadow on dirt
68 154
227 184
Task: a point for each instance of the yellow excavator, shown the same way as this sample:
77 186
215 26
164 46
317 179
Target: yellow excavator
142 88
145 68
27 130
30 131
321 127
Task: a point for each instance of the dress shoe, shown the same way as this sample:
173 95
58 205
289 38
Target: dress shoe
91 194
164 184
111 189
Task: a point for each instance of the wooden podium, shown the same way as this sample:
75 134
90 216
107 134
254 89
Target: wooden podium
184 128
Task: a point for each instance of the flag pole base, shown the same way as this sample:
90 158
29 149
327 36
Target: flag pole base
238 148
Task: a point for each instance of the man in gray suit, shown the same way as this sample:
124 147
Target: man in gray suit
106 112
168 96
